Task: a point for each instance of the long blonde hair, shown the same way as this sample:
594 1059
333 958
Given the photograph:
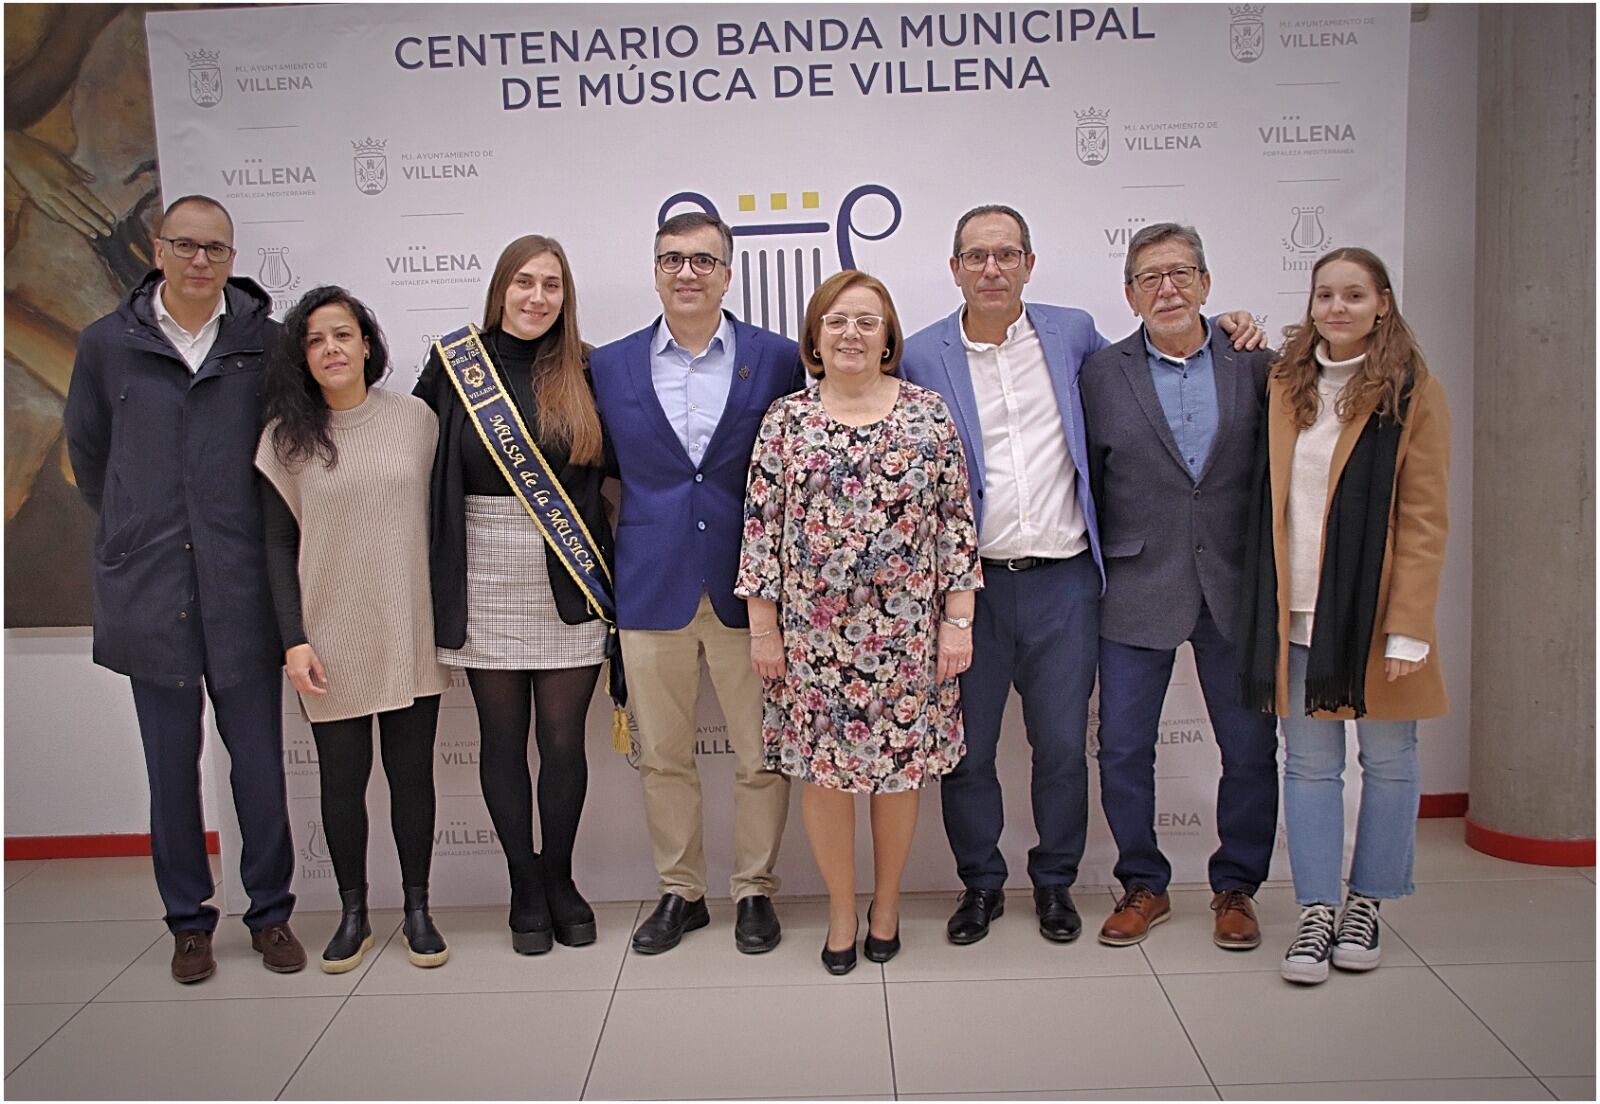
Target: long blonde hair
567 416
1393 356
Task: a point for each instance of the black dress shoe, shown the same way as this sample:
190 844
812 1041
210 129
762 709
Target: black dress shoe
976 910
1059 921
840 963
756 930
880 950
664 927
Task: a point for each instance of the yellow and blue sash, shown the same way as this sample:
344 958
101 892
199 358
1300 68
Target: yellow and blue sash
500 426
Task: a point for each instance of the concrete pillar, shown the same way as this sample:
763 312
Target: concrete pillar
1532 794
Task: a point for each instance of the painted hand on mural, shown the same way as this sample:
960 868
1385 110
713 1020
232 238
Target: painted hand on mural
56 185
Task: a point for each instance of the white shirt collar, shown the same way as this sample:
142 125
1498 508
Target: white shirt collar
1020 328
164 316
664 338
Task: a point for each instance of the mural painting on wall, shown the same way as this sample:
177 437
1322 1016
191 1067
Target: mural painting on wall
82 197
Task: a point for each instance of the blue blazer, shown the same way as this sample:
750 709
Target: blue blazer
936 358
680 527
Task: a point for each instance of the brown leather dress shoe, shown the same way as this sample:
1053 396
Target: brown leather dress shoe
1236 928
191 956
1137 912
280 951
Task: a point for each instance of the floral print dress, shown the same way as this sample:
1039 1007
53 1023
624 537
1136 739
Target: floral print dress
855 532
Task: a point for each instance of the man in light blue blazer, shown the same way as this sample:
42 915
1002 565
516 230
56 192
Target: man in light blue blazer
1008 371
681 401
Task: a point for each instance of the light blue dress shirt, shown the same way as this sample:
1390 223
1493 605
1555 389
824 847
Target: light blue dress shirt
693 389
1187 388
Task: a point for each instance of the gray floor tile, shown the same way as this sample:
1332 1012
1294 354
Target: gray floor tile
1012 949
1543 1011
17 869
798 1040
59 963
1182 945
1170 1092
1570 1088
1443 856
1587 872
1494 1088
1010 1036
482 961
230 1050
1403 1022
1470 922
239 969
29 1025
482 1046
88 889
708 958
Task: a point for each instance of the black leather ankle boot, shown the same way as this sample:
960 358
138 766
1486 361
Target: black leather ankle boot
570 914
353 938
530 913
424 945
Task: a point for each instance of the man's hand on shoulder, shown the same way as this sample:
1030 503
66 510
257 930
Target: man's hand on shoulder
1241 326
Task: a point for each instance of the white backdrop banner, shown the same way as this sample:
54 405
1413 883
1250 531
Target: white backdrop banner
395 150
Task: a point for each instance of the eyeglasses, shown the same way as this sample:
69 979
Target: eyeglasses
866 324
976 260
216 252
701 264
1183 276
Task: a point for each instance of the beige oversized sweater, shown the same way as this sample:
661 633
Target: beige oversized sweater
364 589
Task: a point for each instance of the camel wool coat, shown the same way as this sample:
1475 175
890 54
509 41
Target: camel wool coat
1413 556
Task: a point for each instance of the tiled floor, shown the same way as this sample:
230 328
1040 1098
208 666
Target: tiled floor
1487 993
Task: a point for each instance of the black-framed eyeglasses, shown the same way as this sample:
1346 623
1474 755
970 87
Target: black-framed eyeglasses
976 260
866 324
216 252
701 264
1183 276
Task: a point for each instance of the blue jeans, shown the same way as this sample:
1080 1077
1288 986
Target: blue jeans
1313 800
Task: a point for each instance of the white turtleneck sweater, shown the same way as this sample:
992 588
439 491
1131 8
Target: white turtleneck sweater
1308 499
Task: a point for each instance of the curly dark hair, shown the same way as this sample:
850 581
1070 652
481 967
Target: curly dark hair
292 403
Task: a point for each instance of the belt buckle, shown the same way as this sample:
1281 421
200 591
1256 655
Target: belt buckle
1020 563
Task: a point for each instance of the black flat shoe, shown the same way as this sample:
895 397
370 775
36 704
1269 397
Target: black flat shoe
840 963
976 910
531 930
663 929
756 929
570 914
880 950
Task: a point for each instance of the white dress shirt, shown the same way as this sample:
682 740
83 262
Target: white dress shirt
192 347
1030 501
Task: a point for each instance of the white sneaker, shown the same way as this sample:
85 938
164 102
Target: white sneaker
1306 960
1355 944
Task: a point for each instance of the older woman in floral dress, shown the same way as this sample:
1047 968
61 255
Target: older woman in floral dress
859 565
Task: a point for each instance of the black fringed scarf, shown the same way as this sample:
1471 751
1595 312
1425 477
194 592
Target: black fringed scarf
1347 587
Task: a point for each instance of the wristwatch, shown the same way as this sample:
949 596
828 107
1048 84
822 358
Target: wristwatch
958 622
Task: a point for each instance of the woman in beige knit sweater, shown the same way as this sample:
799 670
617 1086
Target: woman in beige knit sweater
345 501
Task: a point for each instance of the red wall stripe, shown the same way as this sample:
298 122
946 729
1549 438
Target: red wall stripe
1530 849
1442 805
89 847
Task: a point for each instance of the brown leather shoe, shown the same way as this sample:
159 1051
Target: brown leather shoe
280 951
1236 928
1137 912
191 956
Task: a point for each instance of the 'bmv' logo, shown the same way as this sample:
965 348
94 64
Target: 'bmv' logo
1247 32
1094 136
775 278
372 165
205 77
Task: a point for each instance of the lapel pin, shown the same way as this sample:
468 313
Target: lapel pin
744 372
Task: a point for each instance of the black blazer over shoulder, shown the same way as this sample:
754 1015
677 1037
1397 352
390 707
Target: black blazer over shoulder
447 517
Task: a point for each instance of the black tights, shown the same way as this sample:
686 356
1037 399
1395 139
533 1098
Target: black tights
560 707
344 754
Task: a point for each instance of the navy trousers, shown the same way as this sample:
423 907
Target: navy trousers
1039 631
1133 686
250 719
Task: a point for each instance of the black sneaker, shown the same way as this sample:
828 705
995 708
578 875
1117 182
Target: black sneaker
1306 960
1355 944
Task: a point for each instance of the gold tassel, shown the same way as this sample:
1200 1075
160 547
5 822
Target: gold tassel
620 741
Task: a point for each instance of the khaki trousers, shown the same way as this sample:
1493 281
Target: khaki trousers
663 687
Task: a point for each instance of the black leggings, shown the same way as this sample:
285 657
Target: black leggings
560 706
344 754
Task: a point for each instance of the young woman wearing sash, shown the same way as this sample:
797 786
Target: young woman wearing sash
1348 550
346 512
507 607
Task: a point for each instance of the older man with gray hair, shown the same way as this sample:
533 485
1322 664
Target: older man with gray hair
1172 414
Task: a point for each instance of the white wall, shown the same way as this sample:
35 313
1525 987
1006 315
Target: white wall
73 764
